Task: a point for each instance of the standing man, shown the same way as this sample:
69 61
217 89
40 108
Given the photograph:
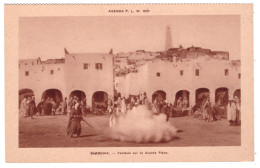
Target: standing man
23 107
53 106
238 113
32 107
185 102
231 113
109 105
64 106
27 107
40 107
74 126
123 106
165 110
141 99
179 103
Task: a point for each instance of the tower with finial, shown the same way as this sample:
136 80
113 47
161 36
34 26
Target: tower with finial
111 51
168 43
66 51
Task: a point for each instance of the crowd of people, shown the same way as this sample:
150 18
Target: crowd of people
204 110
233 112
177 109
208 112
28 107
122 105
182 102
47 106
118 106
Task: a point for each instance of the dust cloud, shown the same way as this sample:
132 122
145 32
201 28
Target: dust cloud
141 125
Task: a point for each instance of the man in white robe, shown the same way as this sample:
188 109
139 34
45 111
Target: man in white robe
23 107
231 112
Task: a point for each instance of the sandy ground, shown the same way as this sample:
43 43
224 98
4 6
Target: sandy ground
50 131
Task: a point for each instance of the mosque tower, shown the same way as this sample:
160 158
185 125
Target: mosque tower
168 43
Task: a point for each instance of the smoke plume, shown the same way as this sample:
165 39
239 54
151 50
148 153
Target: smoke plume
140 125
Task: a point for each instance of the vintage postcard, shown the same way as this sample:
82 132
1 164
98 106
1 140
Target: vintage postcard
129 83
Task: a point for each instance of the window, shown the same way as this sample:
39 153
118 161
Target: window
98 66
239 75
197 72
226 72
181 72
158 74
85 66
26 73
52 72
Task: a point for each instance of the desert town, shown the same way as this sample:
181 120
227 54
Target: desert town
177 82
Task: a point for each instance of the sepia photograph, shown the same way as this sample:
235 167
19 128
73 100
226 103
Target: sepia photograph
129 81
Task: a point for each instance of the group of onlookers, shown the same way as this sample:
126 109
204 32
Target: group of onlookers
233 112
120 106
206 111
178 109
28 107
75 100
47 106
182 102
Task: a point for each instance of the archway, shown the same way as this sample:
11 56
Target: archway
52 93
49 94
201 94
159 94
221 96
23 93
182 95
237 93
99 102
78 93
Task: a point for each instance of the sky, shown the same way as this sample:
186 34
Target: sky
46 37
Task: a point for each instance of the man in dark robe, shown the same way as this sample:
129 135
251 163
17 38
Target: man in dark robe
40 107
74 126
32 107
165 110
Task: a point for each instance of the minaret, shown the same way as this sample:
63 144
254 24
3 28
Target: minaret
168 43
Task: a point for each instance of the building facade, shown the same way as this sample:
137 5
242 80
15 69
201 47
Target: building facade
189 79
86 75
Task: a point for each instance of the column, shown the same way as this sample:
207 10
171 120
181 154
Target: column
230 94
38 96
212 95
89 98
192 99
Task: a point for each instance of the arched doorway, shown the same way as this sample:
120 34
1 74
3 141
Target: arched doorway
201 94
237 93
221 96
49 95
159 94
182 95
23 93
78 93
52 93
99 102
